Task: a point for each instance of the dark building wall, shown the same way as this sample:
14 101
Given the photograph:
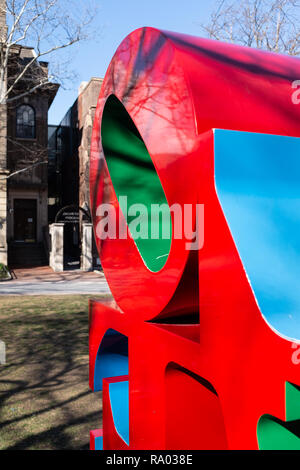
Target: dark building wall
63 171
28 156
69 140
23 152
23 196
69 151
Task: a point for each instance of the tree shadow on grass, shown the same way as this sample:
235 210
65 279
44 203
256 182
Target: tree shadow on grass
45 402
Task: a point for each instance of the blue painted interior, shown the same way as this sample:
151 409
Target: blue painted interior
112 358
119 400
257 179
99 443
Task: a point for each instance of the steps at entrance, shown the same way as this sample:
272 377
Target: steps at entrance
22 255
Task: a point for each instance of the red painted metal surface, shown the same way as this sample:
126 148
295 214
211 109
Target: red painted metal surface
241 358
94 435
177 88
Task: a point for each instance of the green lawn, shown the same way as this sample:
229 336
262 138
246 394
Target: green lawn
45 402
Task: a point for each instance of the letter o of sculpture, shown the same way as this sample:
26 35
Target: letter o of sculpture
163 92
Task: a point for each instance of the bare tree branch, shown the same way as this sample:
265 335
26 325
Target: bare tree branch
47 26
37 30
22 170
272 25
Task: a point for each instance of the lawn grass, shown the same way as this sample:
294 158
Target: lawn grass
45 402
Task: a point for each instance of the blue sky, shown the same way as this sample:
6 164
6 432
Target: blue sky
117 18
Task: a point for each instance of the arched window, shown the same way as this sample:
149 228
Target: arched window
25 122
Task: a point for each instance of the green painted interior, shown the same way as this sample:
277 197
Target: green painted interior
292 393
273 434
133 175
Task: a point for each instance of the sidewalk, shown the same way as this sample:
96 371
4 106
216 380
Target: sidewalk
44 281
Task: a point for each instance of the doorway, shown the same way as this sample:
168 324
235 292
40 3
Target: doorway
72 245
25 220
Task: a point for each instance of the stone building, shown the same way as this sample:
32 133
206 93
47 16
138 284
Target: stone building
23 160
87 102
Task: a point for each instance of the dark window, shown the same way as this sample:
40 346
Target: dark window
25 122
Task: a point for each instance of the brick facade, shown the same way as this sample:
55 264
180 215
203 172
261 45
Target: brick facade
17 153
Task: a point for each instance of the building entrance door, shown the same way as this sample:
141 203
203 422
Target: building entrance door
25 220
72 248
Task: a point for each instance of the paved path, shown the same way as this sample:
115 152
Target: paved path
43 281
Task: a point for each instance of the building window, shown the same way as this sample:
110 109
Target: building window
25 122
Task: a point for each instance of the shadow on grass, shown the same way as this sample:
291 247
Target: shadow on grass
45 402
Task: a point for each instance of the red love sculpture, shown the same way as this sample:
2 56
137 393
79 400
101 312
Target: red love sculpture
199 348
